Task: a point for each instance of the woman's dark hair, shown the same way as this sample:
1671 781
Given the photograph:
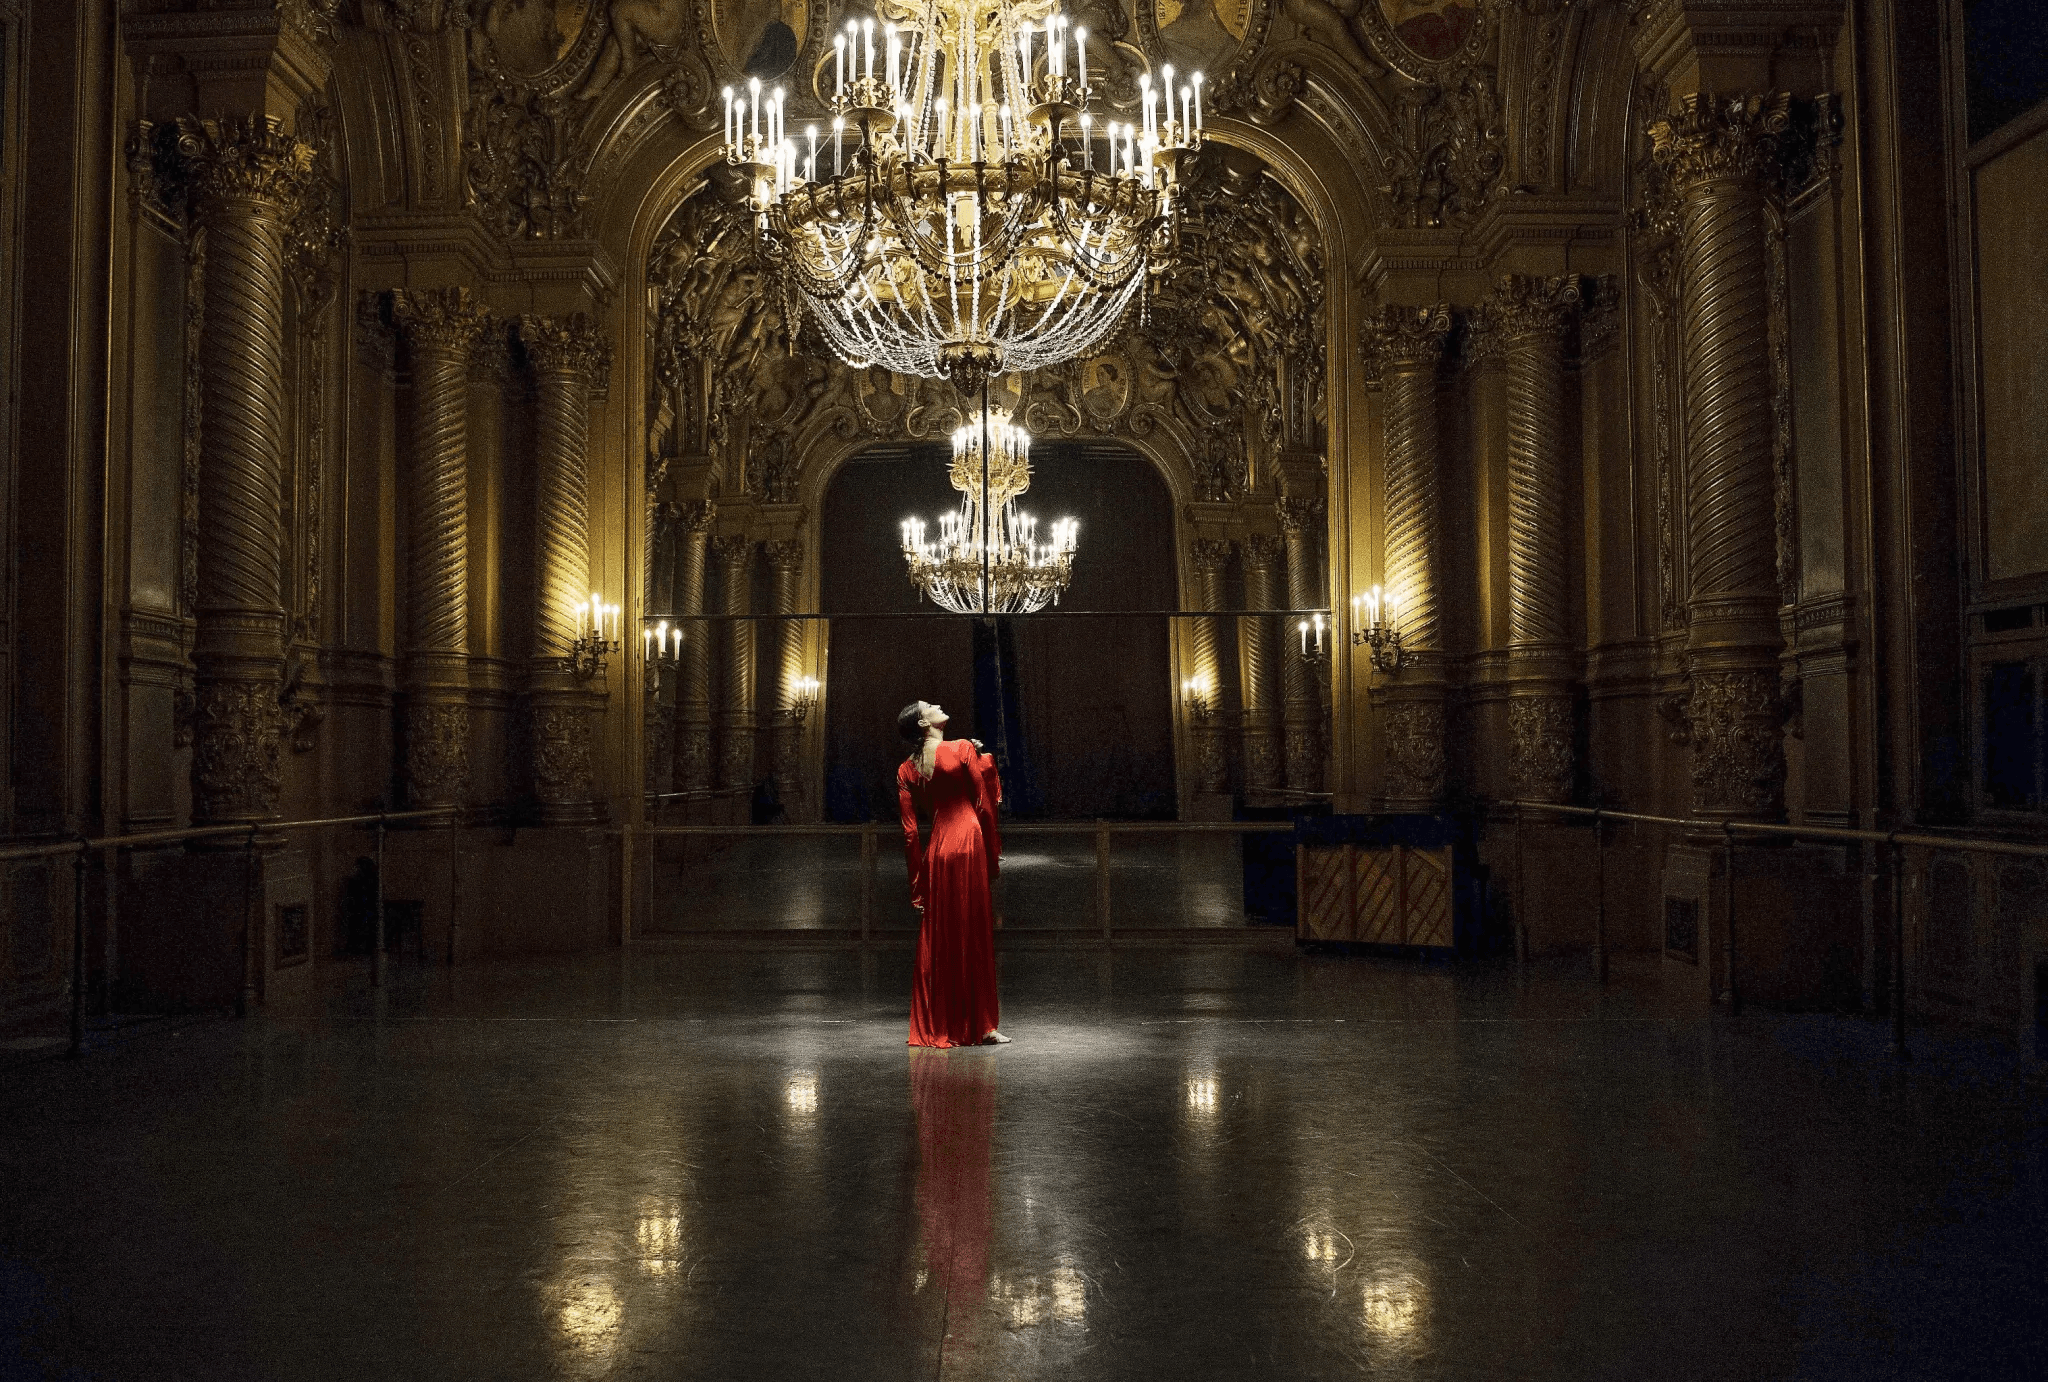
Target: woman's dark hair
907 723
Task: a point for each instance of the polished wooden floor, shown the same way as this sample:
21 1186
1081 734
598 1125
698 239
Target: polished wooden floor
1200 1163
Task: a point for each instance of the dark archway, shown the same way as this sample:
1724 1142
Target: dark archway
1091 697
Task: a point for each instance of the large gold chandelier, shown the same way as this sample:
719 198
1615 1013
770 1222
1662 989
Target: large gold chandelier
987 558
966 213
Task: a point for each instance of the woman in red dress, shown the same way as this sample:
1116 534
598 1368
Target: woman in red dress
953 993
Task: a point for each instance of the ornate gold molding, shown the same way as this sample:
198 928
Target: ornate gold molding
1713 138
1416 763
243 159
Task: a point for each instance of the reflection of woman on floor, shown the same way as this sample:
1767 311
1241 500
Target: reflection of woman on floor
953 990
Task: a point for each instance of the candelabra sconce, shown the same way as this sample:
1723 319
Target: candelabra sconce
1194 694
1372 626
1314 633
661 650
806 696
597 638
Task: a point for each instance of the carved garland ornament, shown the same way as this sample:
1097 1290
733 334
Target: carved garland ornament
1416 755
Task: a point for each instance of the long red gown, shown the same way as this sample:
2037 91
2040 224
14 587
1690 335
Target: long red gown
953 993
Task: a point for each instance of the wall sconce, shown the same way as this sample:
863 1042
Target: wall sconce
803 696
1194 693
1313 650
597 637
660 643
1372 626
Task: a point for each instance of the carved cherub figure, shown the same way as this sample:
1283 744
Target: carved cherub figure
634 24
1330 22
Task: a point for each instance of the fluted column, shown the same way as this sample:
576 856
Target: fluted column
1258 656
693 680
1301 526
566 352
1208 557
247 175
1403 347
1719 154
1531 316
785 570
440 329
734 554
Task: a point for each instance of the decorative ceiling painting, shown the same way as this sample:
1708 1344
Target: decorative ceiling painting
760 37
530 36
1434 29
1196 34
1418 34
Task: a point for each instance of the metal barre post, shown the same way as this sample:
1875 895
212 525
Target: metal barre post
1899 1047
247 1001
1102 881
377 921
1734 994
1600 904
77 1046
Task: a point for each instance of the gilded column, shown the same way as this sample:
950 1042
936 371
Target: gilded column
693 681
1209 557
440 329
247 176
1403 348
1301 525
1719 154
785 569
566 352
734 554
1531 317
1258 649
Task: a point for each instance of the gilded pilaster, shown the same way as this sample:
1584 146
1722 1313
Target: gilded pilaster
785 570
1720 154
1301 525
566 353
734 554
693 690
1403 348
247 176
1258 662
440 330
1531 318
1208 557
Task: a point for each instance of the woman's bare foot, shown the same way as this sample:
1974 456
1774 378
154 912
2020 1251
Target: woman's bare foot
995 1039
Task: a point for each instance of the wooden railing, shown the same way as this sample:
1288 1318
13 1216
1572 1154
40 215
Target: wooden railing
81 849
871 834
1895 843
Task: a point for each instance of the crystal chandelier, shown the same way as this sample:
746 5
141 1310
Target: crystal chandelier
988 559
966 213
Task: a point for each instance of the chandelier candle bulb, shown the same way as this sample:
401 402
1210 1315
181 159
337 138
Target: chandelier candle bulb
1081 50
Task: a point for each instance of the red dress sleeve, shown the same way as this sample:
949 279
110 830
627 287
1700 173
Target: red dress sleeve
989 795
913 851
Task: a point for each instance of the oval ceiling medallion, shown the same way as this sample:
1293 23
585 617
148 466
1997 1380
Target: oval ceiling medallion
760 37
1433 30
530 36
1197 35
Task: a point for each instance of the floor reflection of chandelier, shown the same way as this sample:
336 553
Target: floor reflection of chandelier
978 566
966 213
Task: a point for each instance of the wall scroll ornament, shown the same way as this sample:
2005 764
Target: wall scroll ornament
1448 150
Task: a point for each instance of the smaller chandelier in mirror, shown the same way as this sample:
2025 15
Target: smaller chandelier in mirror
987 557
